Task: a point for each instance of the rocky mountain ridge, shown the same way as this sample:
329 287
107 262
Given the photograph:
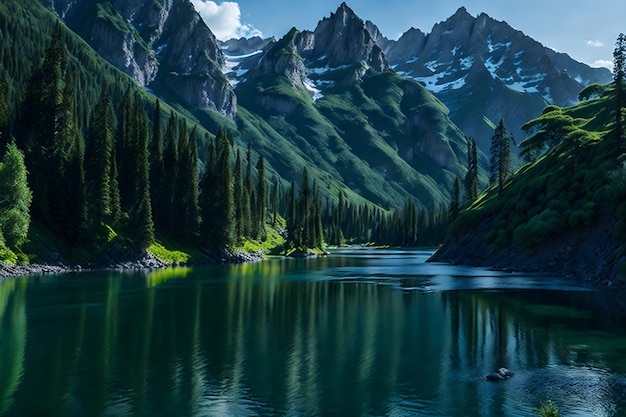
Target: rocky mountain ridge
331 93
165 46
482 69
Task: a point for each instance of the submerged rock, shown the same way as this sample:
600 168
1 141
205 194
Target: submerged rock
499 375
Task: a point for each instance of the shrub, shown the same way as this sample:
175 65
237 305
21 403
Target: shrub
548 410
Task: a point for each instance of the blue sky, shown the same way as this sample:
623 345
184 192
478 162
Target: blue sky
586 30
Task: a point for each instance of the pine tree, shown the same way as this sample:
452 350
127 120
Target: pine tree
471 178
156 162
249 203
188 184
303 232
501 160
453 210
65 205
99 156
619 79
127 151
116 199
79 220
274 201
4 111
165 203
317 224
216 198
292 219
15 197
141 209
261 196
238 198
40 124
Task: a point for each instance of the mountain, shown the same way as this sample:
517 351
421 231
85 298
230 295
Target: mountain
564 211
325 100
331 96
484 70
334 88
165 46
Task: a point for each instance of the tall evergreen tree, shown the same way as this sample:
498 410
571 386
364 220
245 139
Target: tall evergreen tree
471 178
127 151
4 111
99 155
15 197
501 159
274 201
261 196
216 198
40 124
619 79
116 199
249 203
240 226
453 210
188 185
156 162
317 223
141 210
166 209
292 219
303 232
65 205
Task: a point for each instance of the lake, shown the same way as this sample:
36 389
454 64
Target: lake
362 332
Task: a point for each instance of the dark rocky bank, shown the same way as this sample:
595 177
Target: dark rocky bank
594 254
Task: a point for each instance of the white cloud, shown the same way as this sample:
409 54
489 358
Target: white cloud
603 63
594 44
224 19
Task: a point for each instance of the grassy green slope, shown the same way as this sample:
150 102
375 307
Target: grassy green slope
562 213
385 138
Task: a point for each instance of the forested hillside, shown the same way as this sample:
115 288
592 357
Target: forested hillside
115 173
109 166
565 210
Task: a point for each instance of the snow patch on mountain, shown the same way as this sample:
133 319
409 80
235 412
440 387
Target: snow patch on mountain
432 83
315 93
232 65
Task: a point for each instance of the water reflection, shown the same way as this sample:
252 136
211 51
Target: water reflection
12 339
310 337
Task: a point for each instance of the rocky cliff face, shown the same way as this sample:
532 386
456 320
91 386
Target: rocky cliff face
163 45
342 39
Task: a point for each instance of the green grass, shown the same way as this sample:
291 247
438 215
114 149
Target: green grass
356 136
168 255
273 242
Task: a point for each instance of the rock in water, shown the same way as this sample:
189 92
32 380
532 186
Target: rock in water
499 375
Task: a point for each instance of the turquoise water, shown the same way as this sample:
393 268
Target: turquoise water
359 333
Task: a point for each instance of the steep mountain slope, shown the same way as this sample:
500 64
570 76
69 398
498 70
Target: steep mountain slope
483 69
325 100
563 213
330 94
163 45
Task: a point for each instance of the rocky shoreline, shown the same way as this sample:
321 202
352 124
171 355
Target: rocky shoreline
125 261
593 255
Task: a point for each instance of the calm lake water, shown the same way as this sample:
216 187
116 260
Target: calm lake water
359 333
